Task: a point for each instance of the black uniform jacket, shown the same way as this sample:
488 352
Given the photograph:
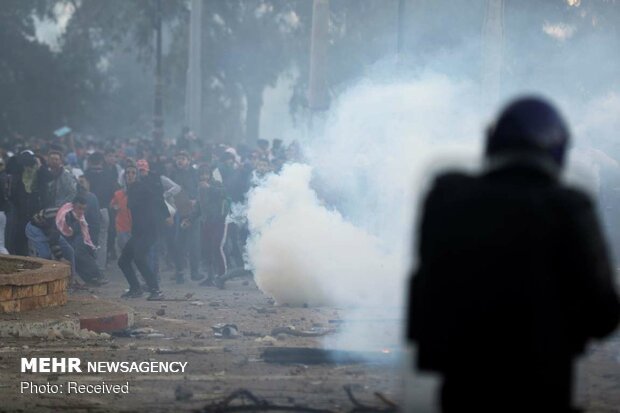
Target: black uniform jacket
512 270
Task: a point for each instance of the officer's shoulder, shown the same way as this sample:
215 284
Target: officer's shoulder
575 197
452 179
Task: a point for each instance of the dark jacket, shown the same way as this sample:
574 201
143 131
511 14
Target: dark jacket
145 200
45 219
103 183
213 202
513 271
187 179
27 202
5 190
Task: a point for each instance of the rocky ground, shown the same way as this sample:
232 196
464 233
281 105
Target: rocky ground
182 331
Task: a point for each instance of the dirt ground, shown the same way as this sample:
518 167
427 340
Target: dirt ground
218 366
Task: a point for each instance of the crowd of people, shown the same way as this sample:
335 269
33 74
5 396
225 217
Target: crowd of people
135 203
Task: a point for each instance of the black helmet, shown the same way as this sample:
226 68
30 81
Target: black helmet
531 125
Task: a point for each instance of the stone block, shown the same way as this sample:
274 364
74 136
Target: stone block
11 306
22 291
39 289
56 299
57 286
6 292
32 303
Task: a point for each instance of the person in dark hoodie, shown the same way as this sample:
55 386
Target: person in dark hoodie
148 210
514 275
103 183
186 219
28 195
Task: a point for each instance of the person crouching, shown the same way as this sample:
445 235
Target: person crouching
71 222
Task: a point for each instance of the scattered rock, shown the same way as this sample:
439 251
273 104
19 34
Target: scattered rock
223 330
268 340
160 312
145 332
66 333
105 336
291 330
54 334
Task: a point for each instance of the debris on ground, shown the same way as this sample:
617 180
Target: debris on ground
264 310
145 332
269 340
224 330
244 400
186 350
307 355
292 331
83 334
53 334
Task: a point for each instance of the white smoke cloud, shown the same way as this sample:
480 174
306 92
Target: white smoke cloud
339 231
350 245
304 252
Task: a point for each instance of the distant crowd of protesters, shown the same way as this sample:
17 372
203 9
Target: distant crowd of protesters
133 202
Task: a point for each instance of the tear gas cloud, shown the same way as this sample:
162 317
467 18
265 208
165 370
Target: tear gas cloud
337 230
